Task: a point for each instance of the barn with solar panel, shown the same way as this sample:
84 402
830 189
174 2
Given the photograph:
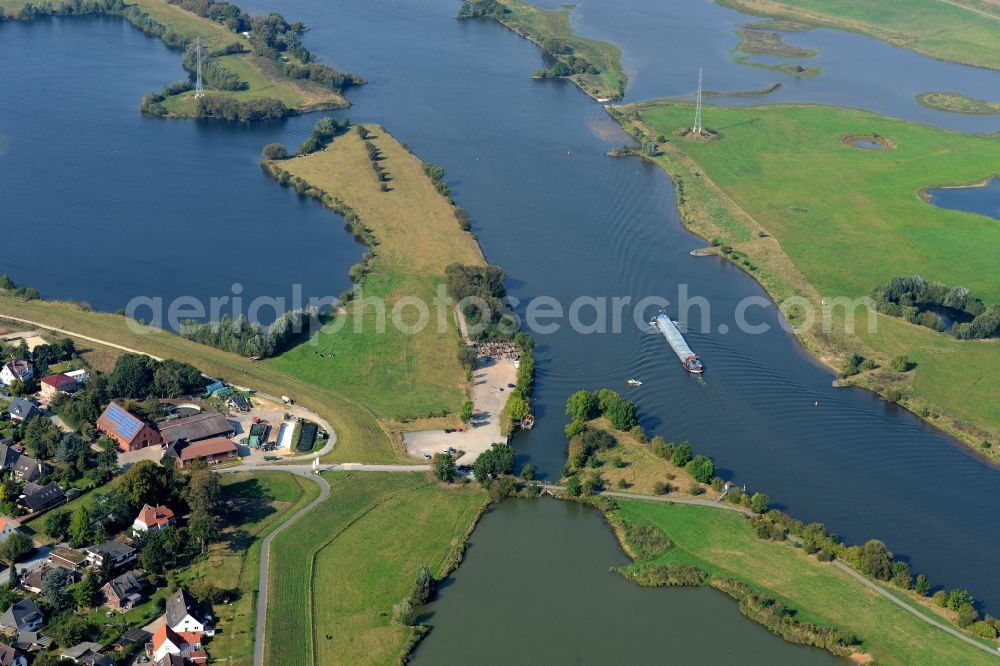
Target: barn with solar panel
129 431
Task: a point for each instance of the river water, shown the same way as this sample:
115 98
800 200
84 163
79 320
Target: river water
542 594
181 207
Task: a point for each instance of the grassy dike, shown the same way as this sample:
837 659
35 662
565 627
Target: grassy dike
400 376
261 77
337 574
552 31
809 216
257 504
360 436
723 544
963 31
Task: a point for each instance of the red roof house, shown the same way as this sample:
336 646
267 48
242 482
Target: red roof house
153 518
128 430
58 383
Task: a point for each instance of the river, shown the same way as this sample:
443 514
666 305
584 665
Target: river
527 160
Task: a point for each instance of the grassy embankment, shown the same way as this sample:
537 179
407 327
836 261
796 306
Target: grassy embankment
550 26
754 41
354 559
958 103
400 376
260 76
723 544
257 504
360 437
964 31
811 216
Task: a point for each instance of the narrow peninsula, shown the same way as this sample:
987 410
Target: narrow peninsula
593 65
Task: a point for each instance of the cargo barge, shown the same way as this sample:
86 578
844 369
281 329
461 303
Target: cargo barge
668 328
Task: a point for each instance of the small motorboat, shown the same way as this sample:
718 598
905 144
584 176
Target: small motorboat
634 382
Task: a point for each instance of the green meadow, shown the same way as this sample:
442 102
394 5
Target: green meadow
356 556
723 544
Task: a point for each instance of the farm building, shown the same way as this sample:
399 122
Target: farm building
131 432
196 428
212 451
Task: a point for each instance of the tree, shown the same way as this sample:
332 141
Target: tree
57 524
72 630
55 588
69 448
581 406
528 472
760 502
466 413
922 586
701 468
901 575
145 482
274 151
573 487
203 528
900 363
683 454
875 560
85 591
422 589
80 527
204 490
958 598
14 547
444 467
132 376
622 415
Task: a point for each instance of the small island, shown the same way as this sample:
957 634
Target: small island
958 103
593 65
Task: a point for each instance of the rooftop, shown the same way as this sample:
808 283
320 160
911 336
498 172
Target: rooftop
208 447
194 428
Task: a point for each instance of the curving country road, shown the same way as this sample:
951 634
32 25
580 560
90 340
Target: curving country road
309 472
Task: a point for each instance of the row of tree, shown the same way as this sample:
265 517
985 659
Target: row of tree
242 337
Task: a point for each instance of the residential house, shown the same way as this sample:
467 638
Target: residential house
33 580
8 455
125 591
196 428
30 641
53 385
8 526
15 370
167 641
23 410
212 451
67 558
87 653
129 431
22 616
11 656
116 552
27 469
153 518
184 615
37 498
170 660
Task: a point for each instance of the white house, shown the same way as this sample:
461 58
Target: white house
7 527
183 614
14 370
